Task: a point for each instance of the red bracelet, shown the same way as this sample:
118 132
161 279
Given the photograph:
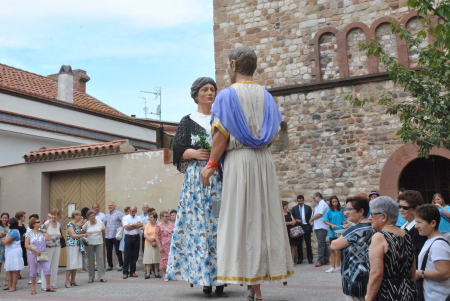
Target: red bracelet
211 164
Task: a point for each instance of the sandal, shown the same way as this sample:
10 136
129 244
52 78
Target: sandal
75 284
33 292
12 289
250 298
319 264
51 289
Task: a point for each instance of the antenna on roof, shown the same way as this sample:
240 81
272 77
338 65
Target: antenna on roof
145 108
157 92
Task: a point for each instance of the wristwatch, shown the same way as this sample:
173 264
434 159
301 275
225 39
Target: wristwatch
423 274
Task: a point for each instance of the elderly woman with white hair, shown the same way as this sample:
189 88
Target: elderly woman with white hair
391 255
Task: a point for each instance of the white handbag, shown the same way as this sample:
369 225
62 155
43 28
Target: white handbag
119 233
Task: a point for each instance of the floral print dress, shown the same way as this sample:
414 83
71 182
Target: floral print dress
193 251
164 233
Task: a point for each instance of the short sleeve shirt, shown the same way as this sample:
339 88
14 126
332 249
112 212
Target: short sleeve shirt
15 234
128 219
444 225
354 264
336 218
321 208
95 232
37 241
440 250
113 222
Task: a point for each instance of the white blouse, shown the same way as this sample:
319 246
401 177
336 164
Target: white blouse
203 120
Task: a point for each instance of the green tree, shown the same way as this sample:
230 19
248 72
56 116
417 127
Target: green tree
426 119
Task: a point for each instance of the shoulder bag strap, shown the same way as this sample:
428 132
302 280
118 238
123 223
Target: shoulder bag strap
425 257
171 233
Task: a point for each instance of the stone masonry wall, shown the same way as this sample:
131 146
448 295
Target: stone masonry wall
333 148
281 31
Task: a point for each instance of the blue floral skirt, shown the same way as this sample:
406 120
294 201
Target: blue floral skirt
193 251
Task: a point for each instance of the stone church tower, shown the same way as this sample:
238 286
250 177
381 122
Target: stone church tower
309 59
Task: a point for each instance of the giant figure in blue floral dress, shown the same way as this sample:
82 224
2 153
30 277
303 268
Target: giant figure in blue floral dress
193 251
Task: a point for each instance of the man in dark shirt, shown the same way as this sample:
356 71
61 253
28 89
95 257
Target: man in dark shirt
302 214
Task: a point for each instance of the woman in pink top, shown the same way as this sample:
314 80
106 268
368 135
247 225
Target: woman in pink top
164 231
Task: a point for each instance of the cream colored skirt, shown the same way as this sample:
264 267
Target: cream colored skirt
151 255
252 240
74 258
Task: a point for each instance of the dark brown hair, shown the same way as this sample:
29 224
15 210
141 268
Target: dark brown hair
154 214
412 197
429 213
173 211
32 222
245 59
338 208
359 202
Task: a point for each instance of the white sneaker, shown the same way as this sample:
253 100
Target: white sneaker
338 268
29 282
330 270
39 281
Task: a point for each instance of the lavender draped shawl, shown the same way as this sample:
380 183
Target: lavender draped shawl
228 109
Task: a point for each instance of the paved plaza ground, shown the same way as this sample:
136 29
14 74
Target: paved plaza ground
308 283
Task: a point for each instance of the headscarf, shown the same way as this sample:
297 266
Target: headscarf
199 83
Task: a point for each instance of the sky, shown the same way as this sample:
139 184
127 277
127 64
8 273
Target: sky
125 47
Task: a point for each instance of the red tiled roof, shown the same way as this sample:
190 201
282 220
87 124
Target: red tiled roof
71 152
37 85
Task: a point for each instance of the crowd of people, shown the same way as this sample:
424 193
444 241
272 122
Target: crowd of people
384 249
87 232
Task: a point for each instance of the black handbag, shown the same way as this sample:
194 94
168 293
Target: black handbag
62 241
419 282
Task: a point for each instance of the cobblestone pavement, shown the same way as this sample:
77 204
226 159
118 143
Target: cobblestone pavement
308 283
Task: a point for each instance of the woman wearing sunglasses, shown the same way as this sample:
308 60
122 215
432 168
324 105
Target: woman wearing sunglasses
409 200
35 244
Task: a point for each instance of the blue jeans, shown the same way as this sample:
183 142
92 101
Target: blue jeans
322 250
131 254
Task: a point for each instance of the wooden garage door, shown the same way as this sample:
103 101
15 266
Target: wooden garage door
80 187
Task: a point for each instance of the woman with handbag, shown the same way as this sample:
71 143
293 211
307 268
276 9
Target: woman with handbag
433 274
74 249
35 244
151 252
53 246
13 254
334 218
290 223
163 235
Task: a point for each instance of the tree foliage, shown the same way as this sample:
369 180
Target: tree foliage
425 116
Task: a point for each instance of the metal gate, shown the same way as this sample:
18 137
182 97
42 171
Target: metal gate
82 188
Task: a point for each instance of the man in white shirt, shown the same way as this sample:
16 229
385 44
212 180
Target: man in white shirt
320 229
100 216
131 226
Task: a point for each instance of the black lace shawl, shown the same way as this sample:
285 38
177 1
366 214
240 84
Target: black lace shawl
182 142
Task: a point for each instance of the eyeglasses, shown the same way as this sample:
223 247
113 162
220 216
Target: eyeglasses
404 207
375 213
349 209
